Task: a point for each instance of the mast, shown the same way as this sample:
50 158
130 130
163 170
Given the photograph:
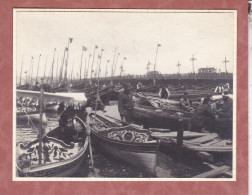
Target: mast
31 73
88 65
93 65
45 68
121 72
115 64
106 72
56 78
112 68
154 81
20 82
53 66
69 41
178 65
40 123
38 68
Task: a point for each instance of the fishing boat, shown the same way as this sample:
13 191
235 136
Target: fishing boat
27 114
51 107
128 143
61 155
150 116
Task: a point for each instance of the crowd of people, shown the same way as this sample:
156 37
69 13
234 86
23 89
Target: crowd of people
207 116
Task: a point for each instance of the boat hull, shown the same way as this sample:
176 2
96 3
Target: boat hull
153 117
140 155
35 117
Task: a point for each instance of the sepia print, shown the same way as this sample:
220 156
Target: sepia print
124 94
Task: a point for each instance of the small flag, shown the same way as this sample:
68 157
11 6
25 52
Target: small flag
90 55
99 56
66 48
102 50
118 53
96 47
125 58
54 49
84 48
25 72
159 45
71 40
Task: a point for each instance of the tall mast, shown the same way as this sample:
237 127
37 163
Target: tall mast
20 82
92 67
53 66
45 68
106 72
40 124
178 65
38 68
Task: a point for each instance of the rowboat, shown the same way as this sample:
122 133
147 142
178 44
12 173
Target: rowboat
128 143
159 118
51 107
61 155
25 114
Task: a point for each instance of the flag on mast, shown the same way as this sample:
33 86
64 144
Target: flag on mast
96 47
70 40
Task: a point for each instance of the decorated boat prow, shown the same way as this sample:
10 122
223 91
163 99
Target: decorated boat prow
128 143
61 155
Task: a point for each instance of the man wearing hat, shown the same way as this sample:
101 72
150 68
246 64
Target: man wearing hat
125 105
185 103
224 123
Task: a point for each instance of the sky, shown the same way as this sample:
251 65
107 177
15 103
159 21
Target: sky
135 34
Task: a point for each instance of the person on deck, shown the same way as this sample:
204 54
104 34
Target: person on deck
164 93
125 105
139 87
204 117
224 123
219 89
185 103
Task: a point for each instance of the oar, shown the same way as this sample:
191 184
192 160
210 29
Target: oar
90 146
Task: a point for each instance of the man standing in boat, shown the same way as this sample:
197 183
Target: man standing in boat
125 105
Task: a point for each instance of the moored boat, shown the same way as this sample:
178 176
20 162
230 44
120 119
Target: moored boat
61 154
129 144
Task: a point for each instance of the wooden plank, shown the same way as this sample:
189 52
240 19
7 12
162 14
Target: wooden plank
213 173
211 142
187 134
205 156
204 139
209 148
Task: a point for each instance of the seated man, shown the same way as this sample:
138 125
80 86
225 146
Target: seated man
139 87
224 123
204 117
185 103
164 93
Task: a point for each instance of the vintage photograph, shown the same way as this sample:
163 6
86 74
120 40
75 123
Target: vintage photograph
124 94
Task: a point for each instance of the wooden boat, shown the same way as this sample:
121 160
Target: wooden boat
194 141
61 156
25 114
160 118
51 107
127 143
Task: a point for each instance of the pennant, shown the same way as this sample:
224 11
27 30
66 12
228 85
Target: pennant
159 45
84 48
96 47
25 72
99 56
71 40
66 49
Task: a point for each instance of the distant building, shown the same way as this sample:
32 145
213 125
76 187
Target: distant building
151 74
207 70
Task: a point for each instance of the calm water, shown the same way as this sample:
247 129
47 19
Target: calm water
106 166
